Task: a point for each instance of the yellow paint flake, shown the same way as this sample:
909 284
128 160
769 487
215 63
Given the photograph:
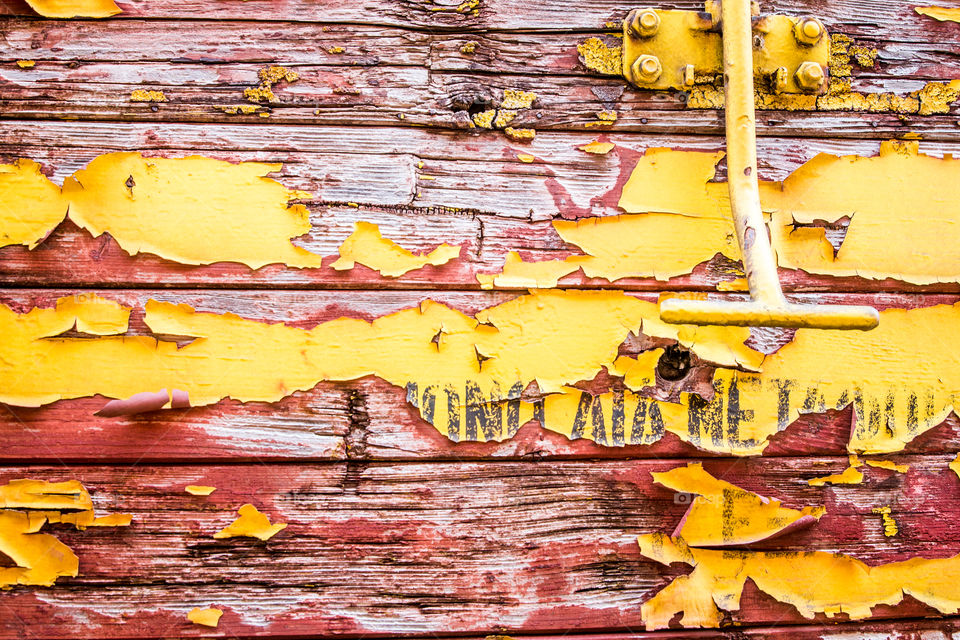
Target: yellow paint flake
955 465
525 157
889 524
469 47
942 14
74 8
199 490
335 50
269 76
724 515
31 206
173 207
207 617
251 524
244 109
40 558
147 95
597 147
811 581
504 117
850 475
517 99
26 64
368 247
598 56
484 119
262 93
888 464
604 119
520 135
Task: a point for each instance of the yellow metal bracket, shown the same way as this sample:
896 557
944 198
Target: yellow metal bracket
674 49
767 306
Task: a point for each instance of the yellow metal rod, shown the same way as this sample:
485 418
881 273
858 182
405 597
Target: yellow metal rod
768 307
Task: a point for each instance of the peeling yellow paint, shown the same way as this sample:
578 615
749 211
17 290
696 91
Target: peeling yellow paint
517 99
147 95
484 119
252 524
504 117
850 475
520 135
597 147
469 47
368 247
955 465
942 14
888 464
26 64
245 109
525 157
172 207
335 50
890 528
31 206
40 558
209 617
811 581
723 514
604 119
199 490
74 8
598 56
269 76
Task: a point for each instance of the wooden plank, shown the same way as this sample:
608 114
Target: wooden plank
873 18
480 196
459 548
367 419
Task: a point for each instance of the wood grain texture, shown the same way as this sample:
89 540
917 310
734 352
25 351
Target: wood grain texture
470 190
437 548
363 420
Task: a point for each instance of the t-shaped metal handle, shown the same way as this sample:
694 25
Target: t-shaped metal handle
767 306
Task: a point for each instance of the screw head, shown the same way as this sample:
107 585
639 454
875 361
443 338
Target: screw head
808 31
810 76
646 69
644 23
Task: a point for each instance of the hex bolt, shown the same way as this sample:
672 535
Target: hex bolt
646 69
810 76
808 31
644 23
689 76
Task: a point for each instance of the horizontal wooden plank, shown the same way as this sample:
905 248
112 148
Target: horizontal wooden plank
437 548
463 188
362 420
875 18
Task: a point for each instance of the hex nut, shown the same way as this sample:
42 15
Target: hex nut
646 69
810 76
808 31
644 23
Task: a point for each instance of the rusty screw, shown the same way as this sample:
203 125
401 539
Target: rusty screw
810 76
646 69
808 31
644 23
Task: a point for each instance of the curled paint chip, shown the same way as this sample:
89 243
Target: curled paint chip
368 247
252 524
31 206
208 617
74 8
199 489
723 515
144 402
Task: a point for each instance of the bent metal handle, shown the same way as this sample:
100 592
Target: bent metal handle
767 307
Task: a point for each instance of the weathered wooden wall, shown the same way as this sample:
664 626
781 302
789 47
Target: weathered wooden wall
394 530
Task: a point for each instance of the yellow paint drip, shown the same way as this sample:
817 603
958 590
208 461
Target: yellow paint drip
889 524
147 95
811 581
31 206
251 524
40 558
943 14
199 490
173 207
206 617
368 247
723 514
74 8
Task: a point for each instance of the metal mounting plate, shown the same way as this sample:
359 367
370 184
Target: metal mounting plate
674 49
